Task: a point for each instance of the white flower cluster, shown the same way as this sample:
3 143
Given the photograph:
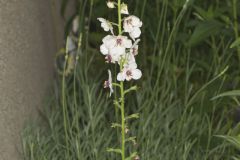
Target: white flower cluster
119 48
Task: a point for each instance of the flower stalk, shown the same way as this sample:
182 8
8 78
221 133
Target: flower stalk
122 51
121 86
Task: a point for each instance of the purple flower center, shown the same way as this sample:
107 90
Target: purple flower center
119 41
134 51
129 73
129 21
108 58
106 84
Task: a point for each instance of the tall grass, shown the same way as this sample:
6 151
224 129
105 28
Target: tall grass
186 60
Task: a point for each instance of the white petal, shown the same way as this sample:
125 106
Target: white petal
115 58
110 82
117 51
135 33
110 4
105 27
134 50
137 74
109 76
124 9
103 49
127 43
131 65
128 78
135 43
121 76
127 27
105 24
136 21
101 19
109 41
75 24
107 38
111 90
130 58
70 44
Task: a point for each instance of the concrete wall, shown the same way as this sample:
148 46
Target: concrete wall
28 42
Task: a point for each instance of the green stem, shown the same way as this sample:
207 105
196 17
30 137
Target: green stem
119 18
64 104
121 86
123 121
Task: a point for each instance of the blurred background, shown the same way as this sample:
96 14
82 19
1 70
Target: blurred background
188 98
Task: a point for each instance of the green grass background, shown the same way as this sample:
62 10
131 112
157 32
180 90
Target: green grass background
186 59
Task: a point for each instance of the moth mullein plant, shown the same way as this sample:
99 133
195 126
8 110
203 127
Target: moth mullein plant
121 48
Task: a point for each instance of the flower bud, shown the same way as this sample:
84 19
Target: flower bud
75 24
110 4
126 130
124 8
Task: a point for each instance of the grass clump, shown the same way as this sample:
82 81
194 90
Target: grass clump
186 59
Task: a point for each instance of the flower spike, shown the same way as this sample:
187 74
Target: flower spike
121 50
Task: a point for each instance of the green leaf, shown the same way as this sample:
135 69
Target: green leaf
234 140
229 93
116 103
115 125
236 43
132 139
134 88
133 155
204 30
132 116
114 150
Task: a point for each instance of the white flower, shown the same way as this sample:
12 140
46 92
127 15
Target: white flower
70 44
106 25
110 4
131 22
114 47
129 61
132 25
134 48
135 33
75 24
108 83
129 72
124 9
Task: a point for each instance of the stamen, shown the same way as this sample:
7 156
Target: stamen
129 73
108 58
134 51
129 21
106 84
119 41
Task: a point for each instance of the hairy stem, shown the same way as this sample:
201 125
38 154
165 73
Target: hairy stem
123 121
121 86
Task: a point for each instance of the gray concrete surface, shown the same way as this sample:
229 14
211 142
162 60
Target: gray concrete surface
28 41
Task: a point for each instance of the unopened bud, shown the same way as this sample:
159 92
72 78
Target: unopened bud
126 130
110 4
124 8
